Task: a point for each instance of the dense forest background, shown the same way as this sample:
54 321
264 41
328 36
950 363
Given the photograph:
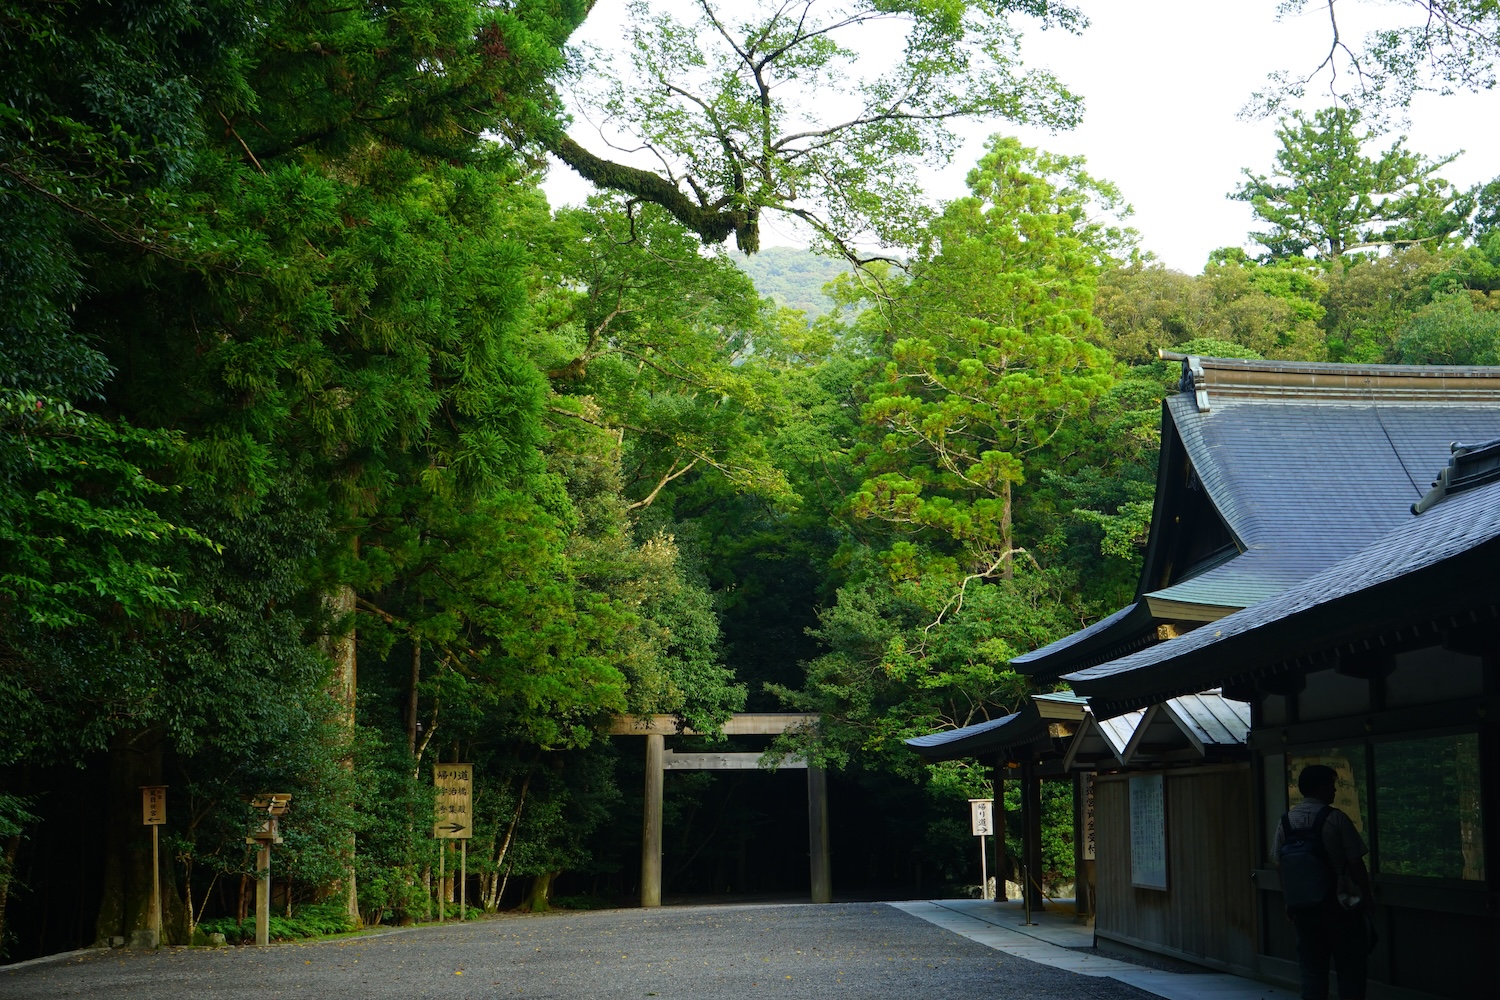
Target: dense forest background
330 451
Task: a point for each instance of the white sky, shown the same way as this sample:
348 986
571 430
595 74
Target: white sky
1162 82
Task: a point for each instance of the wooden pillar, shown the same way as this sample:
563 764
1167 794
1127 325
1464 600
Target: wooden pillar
1083 904
1031 832
263 893
656 748
1001 866
817 835
156 885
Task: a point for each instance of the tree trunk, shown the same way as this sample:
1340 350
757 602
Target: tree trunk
539 900
411 704
1008 563
491 903
340 647
7 872
125 905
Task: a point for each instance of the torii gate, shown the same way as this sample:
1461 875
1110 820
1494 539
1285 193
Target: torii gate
656 728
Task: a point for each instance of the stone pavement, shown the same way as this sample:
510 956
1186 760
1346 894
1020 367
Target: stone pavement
1055 939
864 951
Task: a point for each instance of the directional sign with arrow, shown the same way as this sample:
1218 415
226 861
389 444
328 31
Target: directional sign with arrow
453 788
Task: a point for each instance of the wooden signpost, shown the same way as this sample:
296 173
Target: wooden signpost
154 814
453 791
982 821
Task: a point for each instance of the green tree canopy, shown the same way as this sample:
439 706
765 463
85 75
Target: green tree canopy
989 366
769 107
1327 197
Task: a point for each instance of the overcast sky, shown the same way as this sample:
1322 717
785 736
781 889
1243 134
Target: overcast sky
1163 81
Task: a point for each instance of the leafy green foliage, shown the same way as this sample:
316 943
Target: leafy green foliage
727 103
1418 47
989 369
78 531
1057 830
313 920
1327 198
793 278
299 369
1272 311
1450 331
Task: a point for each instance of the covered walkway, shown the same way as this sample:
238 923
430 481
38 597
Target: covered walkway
1056 938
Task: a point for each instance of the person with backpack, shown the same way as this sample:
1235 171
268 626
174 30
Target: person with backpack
1325 886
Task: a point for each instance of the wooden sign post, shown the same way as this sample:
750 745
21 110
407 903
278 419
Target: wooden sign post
154 814
982 821
453 791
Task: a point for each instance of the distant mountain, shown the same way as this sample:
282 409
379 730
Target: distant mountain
793 277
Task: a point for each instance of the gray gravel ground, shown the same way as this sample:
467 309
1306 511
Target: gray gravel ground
861 950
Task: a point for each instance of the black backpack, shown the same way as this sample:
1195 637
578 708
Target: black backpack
1308 881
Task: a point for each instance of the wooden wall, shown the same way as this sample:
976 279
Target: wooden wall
1207 912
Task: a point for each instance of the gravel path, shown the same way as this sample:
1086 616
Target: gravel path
863 950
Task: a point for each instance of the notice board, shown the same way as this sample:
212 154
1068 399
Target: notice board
1148 832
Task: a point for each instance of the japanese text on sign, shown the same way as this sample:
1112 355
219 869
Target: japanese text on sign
1090 848
453 788
982 816
1148 833
153 805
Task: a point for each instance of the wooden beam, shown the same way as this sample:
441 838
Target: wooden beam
651 823
727 761
1031 833
742 724
817 835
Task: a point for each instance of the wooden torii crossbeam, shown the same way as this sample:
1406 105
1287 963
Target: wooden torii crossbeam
659 760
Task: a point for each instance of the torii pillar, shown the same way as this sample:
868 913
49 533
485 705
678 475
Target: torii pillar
659 760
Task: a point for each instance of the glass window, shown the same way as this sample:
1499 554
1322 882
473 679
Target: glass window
1273 786
1430 821
1352 795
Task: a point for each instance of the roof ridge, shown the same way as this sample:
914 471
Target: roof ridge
1315 367
1239 378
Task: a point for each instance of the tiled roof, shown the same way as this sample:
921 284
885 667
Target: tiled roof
1096 639
1423 567
1307 463
1098 738
1118 730
1303 482
1212 718
995 736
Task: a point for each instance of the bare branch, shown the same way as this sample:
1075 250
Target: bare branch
672 473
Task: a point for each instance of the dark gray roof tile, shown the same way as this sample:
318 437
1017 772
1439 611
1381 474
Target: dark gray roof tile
1466 525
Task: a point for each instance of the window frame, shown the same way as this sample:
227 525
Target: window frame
1395 887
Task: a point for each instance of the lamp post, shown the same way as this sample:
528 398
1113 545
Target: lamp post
265 833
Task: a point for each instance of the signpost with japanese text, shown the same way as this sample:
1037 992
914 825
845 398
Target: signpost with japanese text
154 815
982 820
453 792
453 787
